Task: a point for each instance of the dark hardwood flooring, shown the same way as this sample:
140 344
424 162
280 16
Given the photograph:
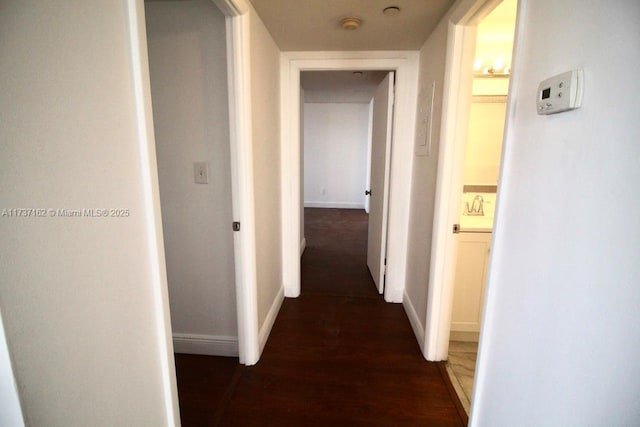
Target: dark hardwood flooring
337 356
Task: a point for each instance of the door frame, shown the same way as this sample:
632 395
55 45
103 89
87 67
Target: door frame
405 65
242 185
461 39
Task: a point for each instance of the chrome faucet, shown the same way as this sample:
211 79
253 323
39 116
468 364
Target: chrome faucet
476 208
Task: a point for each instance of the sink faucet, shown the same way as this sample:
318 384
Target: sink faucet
476 208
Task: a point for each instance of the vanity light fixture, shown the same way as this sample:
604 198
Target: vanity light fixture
351 23
391 10
496 68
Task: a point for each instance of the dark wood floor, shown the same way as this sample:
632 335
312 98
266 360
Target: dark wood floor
337 356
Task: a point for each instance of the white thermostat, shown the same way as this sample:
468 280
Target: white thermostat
560 93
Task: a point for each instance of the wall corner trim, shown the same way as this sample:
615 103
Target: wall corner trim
232 7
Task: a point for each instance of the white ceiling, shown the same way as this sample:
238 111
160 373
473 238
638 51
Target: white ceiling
495 36
340 86
315 24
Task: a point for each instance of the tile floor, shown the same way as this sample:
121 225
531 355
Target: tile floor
461 367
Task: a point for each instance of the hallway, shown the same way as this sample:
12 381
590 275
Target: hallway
337 355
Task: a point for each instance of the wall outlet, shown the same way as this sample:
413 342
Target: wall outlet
201 172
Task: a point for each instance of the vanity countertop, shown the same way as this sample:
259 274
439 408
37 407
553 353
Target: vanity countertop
476 224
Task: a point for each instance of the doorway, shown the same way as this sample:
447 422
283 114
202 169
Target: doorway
477 166
346 143
187 65
405 65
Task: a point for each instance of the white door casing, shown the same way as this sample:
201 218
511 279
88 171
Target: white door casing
461 37
405 65
379 179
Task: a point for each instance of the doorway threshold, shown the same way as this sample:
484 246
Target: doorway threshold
461 366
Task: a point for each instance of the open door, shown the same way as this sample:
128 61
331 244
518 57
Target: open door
379 184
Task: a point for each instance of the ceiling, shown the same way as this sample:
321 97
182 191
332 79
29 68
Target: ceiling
495 40
308 25
340 86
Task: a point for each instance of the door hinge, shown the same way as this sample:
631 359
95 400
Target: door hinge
236 225
367 192
456 228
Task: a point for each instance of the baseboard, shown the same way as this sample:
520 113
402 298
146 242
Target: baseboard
464 336
334 205
303 245
209 345
265 329
416 325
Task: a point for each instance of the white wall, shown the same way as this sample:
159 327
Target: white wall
484 142
265 94
335 154
83 299
423 184
11 410
560 340
187 58
303 240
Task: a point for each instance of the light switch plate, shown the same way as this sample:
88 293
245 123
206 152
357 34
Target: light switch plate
201 172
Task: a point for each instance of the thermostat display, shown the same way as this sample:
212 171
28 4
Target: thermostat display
560 93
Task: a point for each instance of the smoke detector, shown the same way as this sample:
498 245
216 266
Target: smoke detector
391 10
351 23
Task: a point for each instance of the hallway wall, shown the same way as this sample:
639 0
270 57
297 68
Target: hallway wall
187 61
335 154
265 93
423 183
83 298
560 341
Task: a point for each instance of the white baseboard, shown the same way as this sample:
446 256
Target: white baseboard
334 205
209 345
265 329
303 245
416 325
464 336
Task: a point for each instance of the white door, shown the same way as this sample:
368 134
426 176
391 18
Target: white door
378 190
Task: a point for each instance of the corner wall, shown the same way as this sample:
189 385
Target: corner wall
560 338
423 182
83 298
187 60
265 101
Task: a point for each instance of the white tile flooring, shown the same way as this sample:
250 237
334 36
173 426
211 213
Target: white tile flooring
461 367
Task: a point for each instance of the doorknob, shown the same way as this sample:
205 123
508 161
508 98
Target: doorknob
367 192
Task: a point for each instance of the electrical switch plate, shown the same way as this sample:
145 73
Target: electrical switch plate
560 93
201 172
425 116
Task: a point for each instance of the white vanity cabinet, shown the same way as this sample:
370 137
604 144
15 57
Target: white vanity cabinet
471 272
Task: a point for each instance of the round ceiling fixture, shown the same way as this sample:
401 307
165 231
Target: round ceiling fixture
351 23
391 10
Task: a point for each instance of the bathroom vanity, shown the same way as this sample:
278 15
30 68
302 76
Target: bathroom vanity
474 246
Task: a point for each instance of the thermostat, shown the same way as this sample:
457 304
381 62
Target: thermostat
560 93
